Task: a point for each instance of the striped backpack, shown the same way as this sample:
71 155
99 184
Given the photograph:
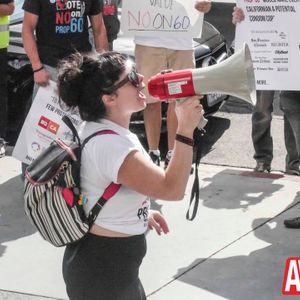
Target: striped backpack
52 194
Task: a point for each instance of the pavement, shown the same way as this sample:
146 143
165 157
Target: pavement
236 247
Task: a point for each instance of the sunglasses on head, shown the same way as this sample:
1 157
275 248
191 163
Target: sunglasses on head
131 77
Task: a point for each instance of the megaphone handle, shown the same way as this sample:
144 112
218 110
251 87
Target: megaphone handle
202 122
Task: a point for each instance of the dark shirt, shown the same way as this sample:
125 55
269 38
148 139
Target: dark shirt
110 18
6 1
62 26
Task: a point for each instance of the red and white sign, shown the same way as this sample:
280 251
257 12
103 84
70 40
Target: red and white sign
48 124
291 280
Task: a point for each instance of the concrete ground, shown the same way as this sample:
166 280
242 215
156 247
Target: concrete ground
236 248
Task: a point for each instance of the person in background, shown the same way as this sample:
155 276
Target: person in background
107 90
290 105
111 20
261 119
167 53
6 9
58 35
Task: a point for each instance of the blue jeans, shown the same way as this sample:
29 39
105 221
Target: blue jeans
290 105
261 127
53 76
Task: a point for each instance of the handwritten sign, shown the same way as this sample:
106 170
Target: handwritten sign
164 18
271 29
43 124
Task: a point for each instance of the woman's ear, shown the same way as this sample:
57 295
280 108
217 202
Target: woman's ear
109 100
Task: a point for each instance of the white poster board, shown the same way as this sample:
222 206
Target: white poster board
161 18
271 29
43 124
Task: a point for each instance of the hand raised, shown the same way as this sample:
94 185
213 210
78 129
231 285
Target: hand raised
238 15
203 5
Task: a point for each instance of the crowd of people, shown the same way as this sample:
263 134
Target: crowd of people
48 47
107 88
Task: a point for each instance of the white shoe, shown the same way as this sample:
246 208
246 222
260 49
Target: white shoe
168 158
155 156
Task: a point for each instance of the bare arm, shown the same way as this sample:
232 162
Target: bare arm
99 32
7 9
147 178
29 42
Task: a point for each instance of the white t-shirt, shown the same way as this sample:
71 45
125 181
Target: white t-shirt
102 157
162 42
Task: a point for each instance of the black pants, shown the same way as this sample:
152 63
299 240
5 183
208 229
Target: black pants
104 268
3 92
290 105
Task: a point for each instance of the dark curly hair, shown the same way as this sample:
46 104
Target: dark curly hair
84 78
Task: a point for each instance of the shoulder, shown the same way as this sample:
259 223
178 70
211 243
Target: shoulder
32 6
95 7
106 129
110 138
112 142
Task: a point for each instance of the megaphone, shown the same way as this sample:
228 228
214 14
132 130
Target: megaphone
233 76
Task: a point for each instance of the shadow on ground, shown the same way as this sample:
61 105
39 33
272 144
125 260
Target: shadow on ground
239 196
214 130
14 223
246 277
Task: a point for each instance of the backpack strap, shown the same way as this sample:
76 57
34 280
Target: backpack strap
109 192
69 123
112 188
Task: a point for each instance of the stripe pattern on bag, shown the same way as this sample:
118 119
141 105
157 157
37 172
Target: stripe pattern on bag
52 193
56 221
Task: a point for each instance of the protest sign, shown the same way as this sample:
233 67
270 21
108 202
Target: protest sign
43 124
161 18
271 29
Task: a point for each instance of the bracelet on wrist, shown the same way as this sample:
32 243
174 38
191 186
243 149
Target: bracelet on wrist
185 140
39 69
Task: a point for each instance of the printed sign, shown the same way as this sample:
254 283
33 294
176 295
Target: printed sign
164 18
270 29
43 124
69 16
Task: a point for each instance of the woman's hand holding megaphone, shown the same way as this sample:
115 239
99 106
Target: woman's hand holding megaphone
202 123
189 112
